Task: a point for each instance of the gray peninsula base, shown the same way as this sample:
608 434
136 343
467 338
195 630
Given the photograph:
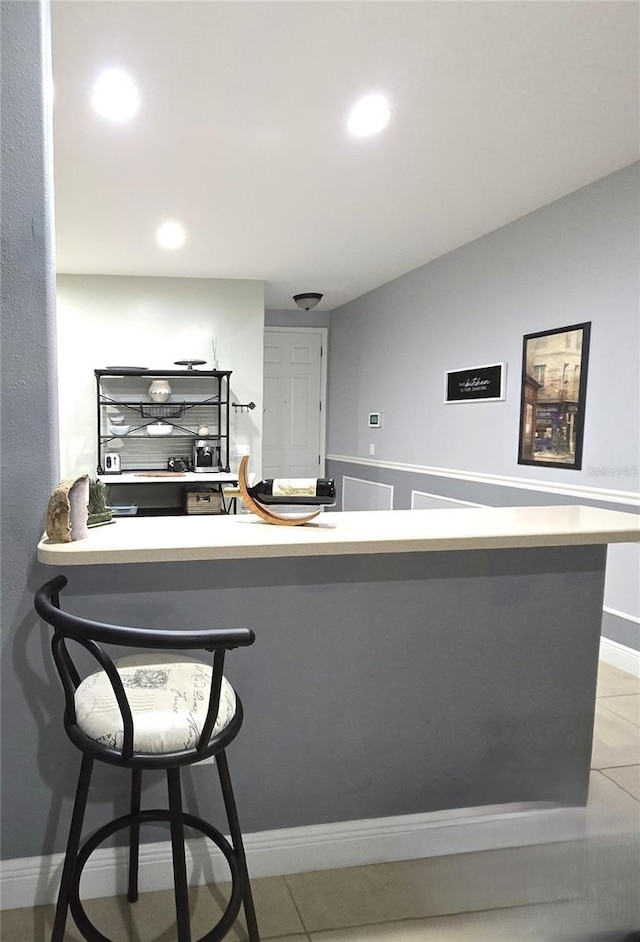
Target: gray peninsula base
387 684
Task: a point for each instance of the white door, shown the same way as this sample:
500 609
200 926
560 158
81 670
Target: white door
294 389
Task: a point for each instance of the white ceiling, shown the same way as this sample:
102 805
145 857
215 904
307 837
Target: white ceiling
499 108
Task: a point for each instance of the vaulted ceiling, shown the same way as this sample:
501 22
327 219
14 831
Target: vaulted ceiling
497 109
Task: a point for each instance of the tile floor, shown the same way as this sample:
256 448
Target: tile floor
565 892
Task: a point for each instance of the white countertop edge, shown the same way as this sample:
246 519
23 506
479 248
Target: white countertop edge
188 539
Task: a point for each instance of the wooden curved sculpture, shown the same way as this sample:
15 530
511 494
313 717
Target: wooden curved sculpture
266 513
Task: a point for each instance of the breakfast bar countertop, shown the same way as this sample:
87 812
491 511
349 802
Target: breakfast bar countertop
244 536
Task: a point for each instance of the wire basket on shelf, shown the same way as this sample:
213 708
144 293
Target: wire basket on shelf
161 410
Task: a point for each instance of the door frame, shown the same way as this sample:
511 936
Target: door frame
324 340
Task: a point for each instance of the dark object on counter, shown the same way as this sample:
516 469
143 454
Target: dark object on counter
132 733
180 465
206 457
304 491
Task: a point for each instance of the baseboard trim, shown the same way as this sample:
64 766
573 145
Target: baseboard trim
620 656
33 881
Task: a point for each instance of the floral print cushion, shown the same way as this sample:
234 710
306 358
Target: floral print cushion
168 695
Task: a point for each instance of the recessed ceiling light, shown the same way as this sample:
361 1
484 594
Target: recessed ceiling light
115 96
171 235
370 115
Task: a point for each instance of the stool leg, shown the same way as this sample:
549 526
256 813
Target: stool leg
236 839
183 921
73 845
134 836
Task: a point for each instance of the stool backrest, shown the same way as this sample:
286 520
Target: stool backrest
91 635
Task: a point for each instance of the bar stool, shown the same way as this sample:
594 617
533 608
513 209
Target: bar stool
158 710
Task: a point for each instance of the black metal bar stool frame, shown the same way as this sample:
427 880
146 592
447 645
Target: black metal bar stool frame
90 635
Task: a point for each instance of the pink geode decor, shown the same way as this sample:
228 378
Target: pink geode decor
67 512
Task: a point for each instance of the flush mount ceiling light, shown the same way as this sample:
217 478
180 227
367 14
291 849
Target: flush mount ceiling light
308 300
115 95
369 116
171 235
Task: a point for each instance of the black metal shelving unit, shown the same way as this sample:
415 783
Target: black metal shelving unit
207 404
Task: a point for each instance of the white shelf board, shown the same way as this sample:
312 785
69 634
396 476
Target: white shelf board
188 477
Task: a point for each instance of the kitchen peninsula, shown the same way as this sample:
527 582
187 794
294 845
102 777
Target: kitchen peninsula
406 661
355 532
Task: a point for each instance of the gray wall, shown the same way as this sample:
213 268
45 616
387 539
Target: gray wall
29 408
572 261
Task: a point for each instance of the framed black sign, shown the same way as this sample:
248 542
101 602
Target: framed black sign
554 389
475 384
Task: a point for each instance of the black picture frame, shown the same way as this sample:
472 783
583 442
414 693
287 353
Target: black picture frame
553 397
475 384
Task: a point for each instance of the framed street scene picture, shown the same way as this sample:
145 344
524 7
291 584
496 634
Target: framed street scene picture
475 384
552 403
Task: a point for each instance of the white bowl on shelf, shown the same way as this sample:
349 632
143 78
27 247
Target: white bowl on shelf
120 429
116 419
159 429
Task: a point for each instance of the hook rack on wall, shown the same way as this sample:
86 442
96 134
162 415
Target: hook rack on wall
243 406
